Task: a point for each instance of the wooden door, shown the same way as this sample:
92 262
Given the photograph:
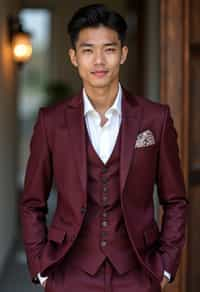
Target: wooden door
174 24
194 150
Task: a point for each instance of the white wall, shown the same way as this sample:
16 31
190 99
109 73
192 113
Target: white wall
8 153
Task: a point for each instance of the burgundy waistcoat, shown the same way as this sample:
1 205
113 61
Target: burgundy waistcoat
103 233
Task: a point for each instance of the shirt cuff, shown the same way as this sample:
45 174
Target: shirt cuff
41 279
167 275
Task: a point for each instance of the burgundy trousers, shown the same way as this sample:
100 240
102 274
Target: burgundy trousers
68 277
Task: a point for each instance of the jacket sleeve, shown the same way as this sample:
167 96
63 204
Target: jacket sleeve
33 202
172 196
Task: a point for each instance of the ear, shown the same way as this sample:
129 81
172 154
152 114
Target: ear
72 55
124 54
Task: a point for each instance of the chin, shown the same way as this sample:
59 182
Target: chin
100 83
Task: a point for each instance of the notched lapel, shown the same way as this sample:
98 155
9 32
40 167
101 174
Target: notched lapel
131 118
75 123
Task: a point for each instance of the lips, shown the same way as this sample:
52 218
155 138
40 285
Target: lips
100 73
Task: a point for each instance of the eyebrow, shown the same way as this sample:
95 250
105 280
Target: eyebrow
92 45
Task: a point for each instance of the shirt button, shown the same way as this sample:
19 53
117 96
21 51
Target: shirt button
104 223
103 243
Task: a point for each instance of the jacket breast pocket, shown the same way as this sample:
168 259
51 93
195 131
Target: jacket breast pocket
57 235
147 148
151 235
146 156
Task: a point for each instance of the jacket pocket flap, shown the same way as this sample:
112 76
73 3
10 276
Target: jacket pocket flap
56 235
151 234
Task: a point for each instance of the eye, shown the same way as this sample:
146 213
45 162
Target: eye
87 51
110 50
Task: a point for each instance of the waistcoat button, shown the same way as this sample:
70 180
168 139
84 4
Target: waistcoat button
104 223
105 189
103 243
105 214
105 198
104 169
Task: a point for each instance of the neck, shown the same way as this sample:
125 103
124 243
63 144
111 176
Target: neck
102 98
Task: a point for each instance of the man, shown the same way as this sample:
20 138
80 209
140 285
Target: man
105 150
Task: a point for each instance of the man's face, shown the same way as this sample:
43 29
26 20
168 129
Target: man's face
98 56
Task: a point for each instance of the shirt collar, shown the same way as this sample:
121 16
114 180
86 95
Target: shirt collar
116 106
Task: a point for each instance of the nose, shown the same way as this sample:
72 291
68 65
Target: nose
99 57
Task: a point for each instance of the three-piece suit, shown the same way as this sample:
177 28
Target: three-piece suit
103 235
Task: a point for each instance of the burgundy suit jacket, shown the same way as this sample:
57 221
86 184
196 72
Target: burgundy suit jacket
58 150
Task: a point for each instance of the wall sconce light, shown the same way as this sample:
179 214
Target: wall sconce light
20 41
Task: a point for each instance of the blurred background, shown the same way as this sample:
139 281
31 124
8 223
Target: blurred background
163 65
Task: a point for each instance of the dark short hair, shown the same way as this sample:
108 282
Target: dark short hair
94 16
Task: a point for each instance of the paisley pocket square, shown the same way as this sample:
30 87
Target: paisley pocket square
145 139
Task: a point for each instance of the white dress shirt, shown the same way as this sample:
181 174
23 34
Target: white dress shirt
104 137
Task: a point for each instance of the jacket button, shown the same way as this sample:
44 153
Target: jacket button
83 210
